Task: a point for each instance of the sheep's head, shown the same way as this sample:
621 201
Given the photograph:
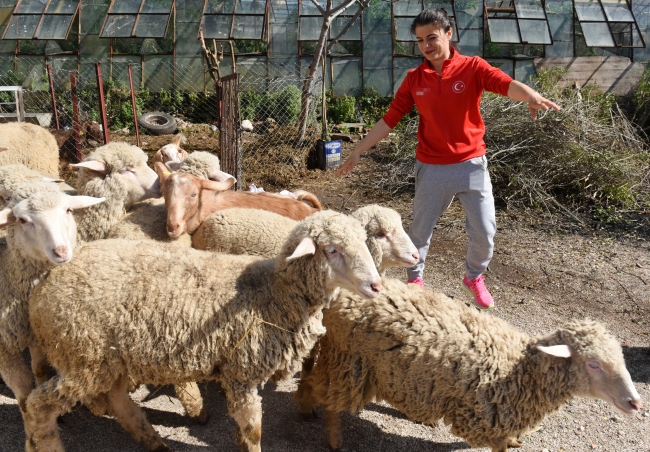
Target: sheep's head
14 175
171 152
598 359
183 194
44 228
336 244
387 241
118 170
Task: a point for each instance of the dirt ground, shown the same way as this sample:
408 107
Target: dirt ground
540 277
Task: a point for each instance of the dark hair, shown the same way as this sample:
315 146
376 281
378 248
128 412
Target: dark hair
432 16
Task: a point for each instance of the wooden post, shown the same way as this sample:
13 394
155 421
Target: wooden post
75 117
54 109
102 103
135 110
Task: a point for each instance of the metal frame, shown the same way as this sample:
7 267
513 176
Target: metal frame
265 28
40 21
512 10
172 8
609 22
394 16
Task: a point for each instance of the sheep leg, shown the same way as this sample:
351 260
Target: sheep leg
132 418
44 405
514 442
303 395
245 407
18 378
334 434
190 397
39 364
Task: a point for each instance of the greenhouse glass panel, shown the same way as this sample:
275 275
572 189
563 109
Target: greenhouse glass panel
447 6
347 48
248 27
118 26
637 40
31 46
309 9
156 7
310 28
401 66
529 9
506 66
62 7
251 6
120 66
125 7
407 7
216 27
560 25
5 13
524 70
380 80
503 31
220 7
376 18
589 10
351 10
93 18
54 26
406 48
284 42
625 34
187 43
376 51
471 42
559 49
617 11
92 47
31 7
22 27
346 76
534 32
189 10
152 25
403 29
189 74
597 34
339 23
158 73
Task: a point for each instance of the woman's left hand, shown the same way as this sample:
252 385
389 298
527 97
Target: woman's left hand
537 102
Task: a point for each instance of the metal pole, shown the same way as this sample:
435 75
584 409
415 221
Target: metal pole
75 117
49 78
102 103
135 110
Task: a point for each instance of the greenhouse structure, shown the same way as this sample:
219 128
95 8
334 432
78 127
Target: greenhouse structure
160 38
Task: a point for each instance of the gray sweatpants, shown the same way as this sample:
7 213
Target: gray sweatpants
435 187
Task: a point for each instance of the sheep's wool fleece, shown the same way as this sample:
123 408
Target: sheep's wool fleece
31 145
200 164
147 220
19 274
433 357
96 221
244 231
119 308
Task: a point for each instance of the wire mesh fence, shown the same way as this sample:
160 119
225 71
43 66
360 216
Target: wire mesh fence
271 148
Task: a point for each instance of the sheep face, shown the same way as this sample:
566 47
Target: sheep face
598 359
341 240
45 228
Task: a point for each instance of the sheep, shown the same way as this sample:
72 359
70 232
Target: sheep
67 143
238 319
119 172
190 200
41 234
31 145
262 233
432 357
12 176
173 152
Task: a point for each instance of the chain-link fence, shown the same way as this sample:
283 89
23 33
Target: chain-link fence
272 150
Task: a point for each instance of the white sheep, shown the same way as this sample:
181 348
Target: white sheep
14 175
31 145
120 313
432 357
262 233
172 152
41 234
118 172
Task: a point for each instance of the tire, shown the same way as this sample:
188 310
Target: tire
157 123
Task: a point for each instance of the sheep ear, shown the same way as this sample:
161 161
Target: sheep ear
79 202
92 165
6 218
3 149
306 246
173 166
162 171
177 140
183 153
220 176
218 186
561 351
157 157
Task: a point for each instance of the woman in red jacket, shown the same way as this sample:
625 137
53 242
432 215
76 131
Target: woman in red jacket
450 155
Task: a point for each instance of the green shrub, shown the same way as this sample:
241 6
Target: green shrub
371 105
283 106
341 109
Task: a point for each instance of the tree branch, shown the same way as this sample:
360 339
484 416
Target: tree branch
364 4
320 8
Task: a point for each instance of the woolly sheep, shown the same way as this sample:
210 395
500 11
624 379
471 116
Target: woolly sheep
262 233
31 145
432 357
118 172
237 319
172 152
41 234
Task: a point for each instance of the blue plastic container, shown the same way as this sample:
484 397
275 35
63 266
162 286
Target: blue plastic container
329 154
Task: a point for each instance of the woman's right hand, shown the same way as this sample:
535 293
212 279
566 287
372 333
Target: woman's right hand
349 164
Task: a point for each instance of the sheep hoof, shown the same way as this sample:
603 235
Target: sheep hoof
162 448
333 449
514 442
310 416
203 417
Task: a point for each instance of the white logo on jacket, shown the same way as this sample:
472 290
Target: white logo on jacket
458 87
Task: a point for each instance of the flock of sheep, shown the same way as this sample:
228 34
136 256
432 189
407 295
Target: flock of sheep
270 284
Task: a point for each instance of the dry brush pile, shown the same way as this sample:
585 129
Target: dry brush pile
589 155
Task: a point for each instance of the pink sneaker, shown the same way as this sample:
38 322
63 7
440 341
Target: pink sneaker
418 281
477 289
